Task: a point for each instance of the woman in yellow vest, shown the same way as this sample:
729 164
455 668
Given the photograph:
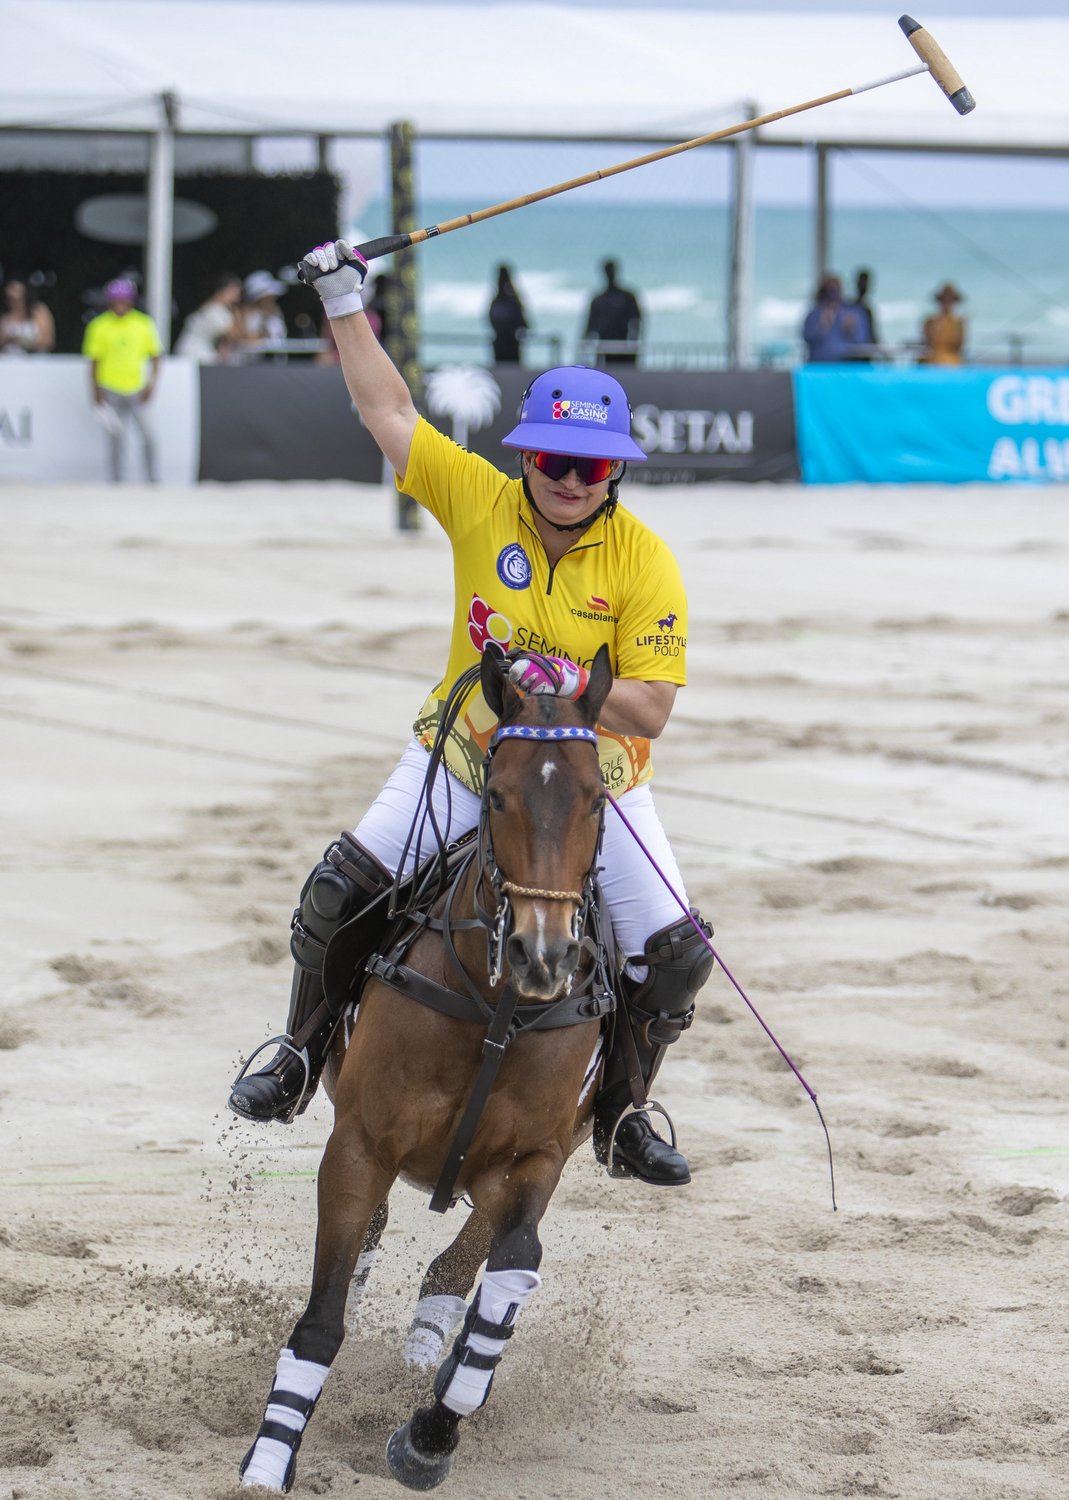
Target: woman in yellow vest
547 563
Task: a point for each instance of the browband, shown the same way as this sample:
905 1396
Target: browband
543 732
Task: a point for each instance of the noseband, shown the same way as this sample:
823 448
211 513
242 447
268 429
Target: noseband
498 925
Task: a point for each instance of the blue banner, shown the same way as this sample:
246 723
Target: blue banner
928 425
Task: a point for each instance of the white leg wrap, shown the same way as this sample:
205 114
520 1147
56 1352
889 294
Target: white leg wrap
434 1320
364 1263
499 1300
269 1459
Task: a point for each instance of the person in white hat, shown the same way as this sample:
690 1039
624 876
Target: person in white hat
263 322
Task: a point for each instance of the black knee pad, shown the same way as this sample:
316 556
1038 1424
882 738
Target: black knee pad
346 879
679 963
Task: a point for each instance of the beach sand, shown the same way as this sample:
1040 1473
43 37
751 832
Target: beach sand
866 785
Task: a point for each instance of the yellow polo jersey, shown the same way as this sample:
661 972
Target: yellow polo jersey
617 585
120 348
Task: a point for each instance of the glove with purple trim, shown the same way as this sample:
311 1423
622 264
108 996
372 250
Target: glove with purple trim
337 272
549 674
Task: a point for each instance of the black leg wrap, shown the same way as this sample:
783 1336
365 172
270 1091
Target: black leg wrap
659 1008
463 1354
346 880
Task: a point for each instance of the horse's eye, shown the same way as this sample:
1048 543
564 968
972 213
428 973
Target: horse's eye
495 801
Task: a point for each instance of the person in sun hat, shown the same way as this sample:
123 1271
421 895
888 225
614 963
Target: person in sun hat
549 566
123 348
944 331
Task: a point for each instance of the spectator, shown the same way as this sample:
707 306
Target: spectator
263 323
830 329
944 331
507 319
866 318
213 333
614 318
123 349
26 325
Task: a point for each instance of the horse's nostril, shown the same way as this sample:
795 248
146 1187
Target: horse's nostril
518 955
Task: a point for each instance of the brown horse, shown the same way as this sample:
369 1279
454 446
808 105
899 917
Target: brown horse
439 1086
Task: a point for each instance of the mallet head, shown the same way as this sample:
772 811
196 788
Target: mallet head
938 64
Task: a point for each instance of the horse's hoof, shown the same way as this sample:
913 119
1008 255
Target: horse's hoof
416 1470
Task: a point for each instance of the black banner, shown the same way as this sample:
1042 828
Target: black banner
282 422
297 422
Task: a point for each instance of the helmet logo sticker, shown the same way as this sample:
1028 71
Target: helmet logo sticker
580 411
514 567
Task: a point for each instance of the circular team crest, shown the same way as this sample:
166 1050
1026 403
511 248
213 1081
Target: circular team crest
514 567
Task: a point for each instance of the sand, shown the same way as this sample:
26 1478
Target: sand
866 784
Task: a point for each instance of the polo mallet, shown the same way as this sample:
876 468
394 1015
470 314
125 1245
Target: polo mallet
933 60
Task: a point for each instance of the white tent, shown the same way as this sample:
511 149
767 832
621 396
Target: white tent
508 70
498 71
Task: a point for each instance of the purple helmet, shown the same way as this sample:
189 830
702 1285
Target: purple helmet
121 289
575 410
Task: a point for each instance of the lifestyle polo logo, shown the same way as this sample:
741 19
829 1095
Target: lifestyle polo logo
665 642
485 624
582 411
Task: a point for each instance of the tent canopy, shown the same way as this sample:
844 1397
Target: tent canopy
522 71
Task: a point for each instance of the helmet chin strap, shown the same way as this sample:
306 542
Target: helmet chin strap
606 508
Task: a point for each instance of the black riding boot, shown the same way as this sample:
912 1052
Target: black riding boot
656 1010
343 884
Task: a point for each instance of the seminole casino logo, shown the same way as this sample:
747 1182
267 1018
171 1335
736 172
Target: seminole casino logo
485 624
582 411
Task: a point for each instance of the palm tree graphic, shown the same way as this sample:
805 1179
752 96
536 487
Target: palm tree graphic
468 394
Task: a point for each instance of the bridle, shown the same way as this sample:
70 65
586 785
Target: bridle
499 923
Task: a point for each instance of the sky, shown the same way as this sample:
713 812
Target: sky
475 176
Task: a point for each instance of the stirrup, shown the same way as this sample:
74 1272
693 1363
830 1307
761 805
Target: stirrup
635 1109
285 1042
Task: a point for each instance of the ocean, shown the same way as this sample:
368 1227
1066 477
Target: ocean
1012 267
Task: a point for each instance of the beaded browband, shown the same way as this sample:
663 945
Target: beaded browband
543 732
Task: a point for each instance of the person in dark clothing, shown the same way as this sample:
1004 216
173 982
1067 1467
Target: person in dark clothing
614 318
507 320
866 318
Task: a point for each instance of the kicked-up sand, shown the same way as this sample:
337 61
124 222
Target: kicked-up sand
866 782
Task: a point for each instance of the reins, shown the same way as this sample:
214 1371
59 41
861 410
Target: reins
611 800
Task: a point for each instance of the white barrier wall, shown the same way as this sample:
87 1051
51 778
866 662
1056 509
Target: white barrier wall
48 432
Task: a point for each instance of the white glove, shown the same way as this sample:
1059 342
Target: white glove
337 272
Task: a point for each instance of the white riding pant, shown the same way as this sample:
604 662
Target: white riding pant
638 902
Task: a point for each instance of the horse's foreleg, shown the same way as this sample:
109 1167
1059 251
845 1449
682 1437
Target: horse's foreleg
443 1294
351 1190
420 1452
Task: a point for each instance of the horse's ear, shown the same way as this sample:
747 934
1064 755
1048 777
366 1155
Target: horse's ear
497 689
598 684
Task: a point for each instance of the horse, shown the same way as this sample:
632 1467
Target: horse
483 1092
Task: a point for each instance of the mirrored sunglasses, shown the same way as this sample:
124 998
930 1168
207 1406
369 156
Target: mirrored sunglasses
590 470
